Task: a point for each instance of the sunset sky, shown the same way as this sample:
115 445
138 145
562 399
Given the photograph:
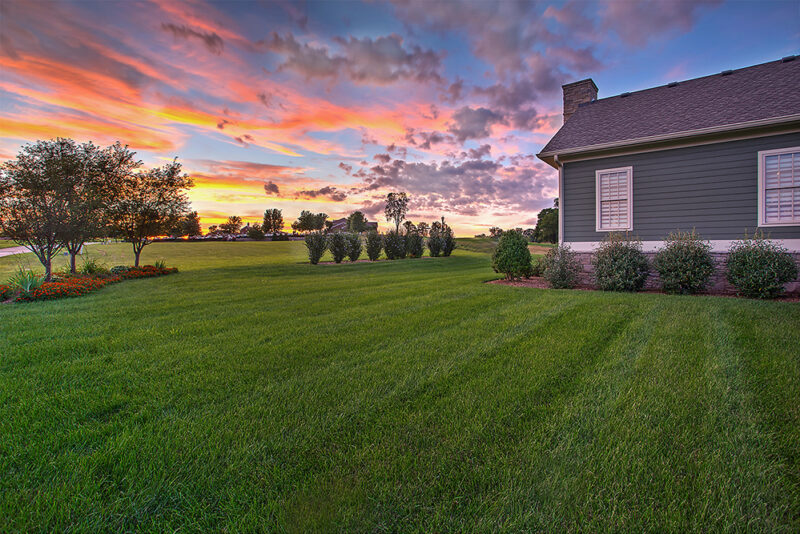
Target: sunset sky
328 106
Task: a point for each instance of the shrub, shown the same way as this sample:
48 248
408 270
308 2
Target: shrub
448 242
353 246
25 280
5 292
759 268
537 267
685 263
561 267
415 244
435 245
160 264
337 244
93 266
394 244
279 236
512 257
374 245
255 233
619 264
316 244
119 269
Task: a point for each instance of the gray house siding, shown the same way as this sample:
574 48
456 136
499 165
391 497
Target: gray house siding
713 188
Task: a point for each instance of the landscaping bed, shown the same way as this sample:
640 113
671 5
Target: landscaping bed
65 285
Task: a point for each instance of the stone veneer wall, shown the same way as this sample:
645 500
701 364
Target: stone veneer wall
717 284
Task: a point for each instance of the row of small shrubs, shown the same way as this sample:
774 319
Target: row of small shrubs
395 244
25 286
757 267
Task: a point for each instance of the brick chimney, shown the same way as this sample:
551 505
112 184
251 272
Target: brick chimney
577 93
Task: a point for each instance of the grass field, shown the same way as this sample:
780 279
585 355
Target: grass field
5 243
255 392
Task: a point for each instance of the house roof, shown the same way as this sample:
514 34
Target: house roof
757 95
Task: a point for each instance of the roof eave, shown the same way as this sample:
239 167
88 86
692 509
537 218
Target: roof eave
549 156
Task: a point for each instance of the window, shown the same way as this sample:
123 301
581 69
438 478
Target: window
614 194
779 187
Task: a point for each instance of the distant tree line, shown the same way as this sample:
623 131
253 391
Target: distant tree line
546 230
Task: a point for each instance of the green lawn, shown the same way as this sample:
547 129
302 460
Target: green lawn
255 392
5 243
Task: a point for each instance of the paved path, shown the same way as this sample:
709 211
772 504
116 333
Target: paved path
13 250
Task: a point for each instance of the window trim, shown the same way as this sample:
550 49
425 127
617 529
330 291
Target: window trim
597 196
762 186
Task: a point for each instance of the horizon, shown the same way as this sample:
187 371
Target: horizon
328 107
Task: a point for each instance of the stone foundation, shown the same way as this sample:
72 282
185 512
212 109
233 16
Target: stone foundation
717 283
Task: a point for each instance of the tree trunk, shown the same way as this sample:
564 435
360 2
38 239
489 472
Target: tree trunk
48 270
72 267
136 257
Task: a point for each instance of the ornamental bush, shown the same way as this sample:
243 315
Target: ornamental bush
512 257
759 268
119 269
316 245
374 245
561 267
448 241
353 246
394 244
684 264
415 245
619 264
435 245
537 266
338 245
255 233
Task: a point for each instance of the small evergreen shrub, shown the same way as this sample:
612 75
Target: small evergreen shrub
353 246
119 269
316 245
338 245
759 268
435 245
619 264
374 245
560 267
415 245
394 245
537 267
448 241
684 264
512 257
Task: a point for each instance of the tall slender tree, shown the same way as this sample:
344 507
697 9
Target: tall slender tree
396 208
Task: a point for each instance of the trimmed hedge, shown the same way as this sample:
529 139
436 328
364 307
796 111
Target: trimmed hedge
684 264
316 245
759 268
619 264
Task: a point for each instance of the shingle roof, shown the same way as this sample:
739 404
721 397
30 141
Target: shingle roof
762 92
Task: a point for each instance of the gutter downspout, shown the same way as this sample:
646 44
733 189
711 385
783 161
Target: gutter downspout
560 199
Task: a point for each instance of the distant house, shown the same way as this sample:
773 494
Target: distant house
720 154
340 225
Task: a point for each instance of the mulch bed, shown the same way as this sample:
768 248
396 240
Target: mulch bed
541 283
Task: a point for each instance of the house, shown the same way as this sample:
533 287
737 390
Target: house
340 225
720 154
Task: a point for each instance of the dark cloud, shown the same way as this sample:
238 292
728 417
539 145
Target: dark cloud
328 191
212 41
244 139
478 153
469 123
383 158
380 61
400 151
638 22
345 167
271 188
454 92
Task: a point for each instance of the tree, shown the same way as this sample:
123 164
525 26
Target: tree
187 225
396 208
495 231
547 225
409 227
34 203
424 229
273 221
357 222
232 225
148 204
213 229
309 222
255 232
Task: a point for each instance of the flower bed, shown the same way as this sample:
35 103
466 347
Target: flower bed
70 285
6 291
